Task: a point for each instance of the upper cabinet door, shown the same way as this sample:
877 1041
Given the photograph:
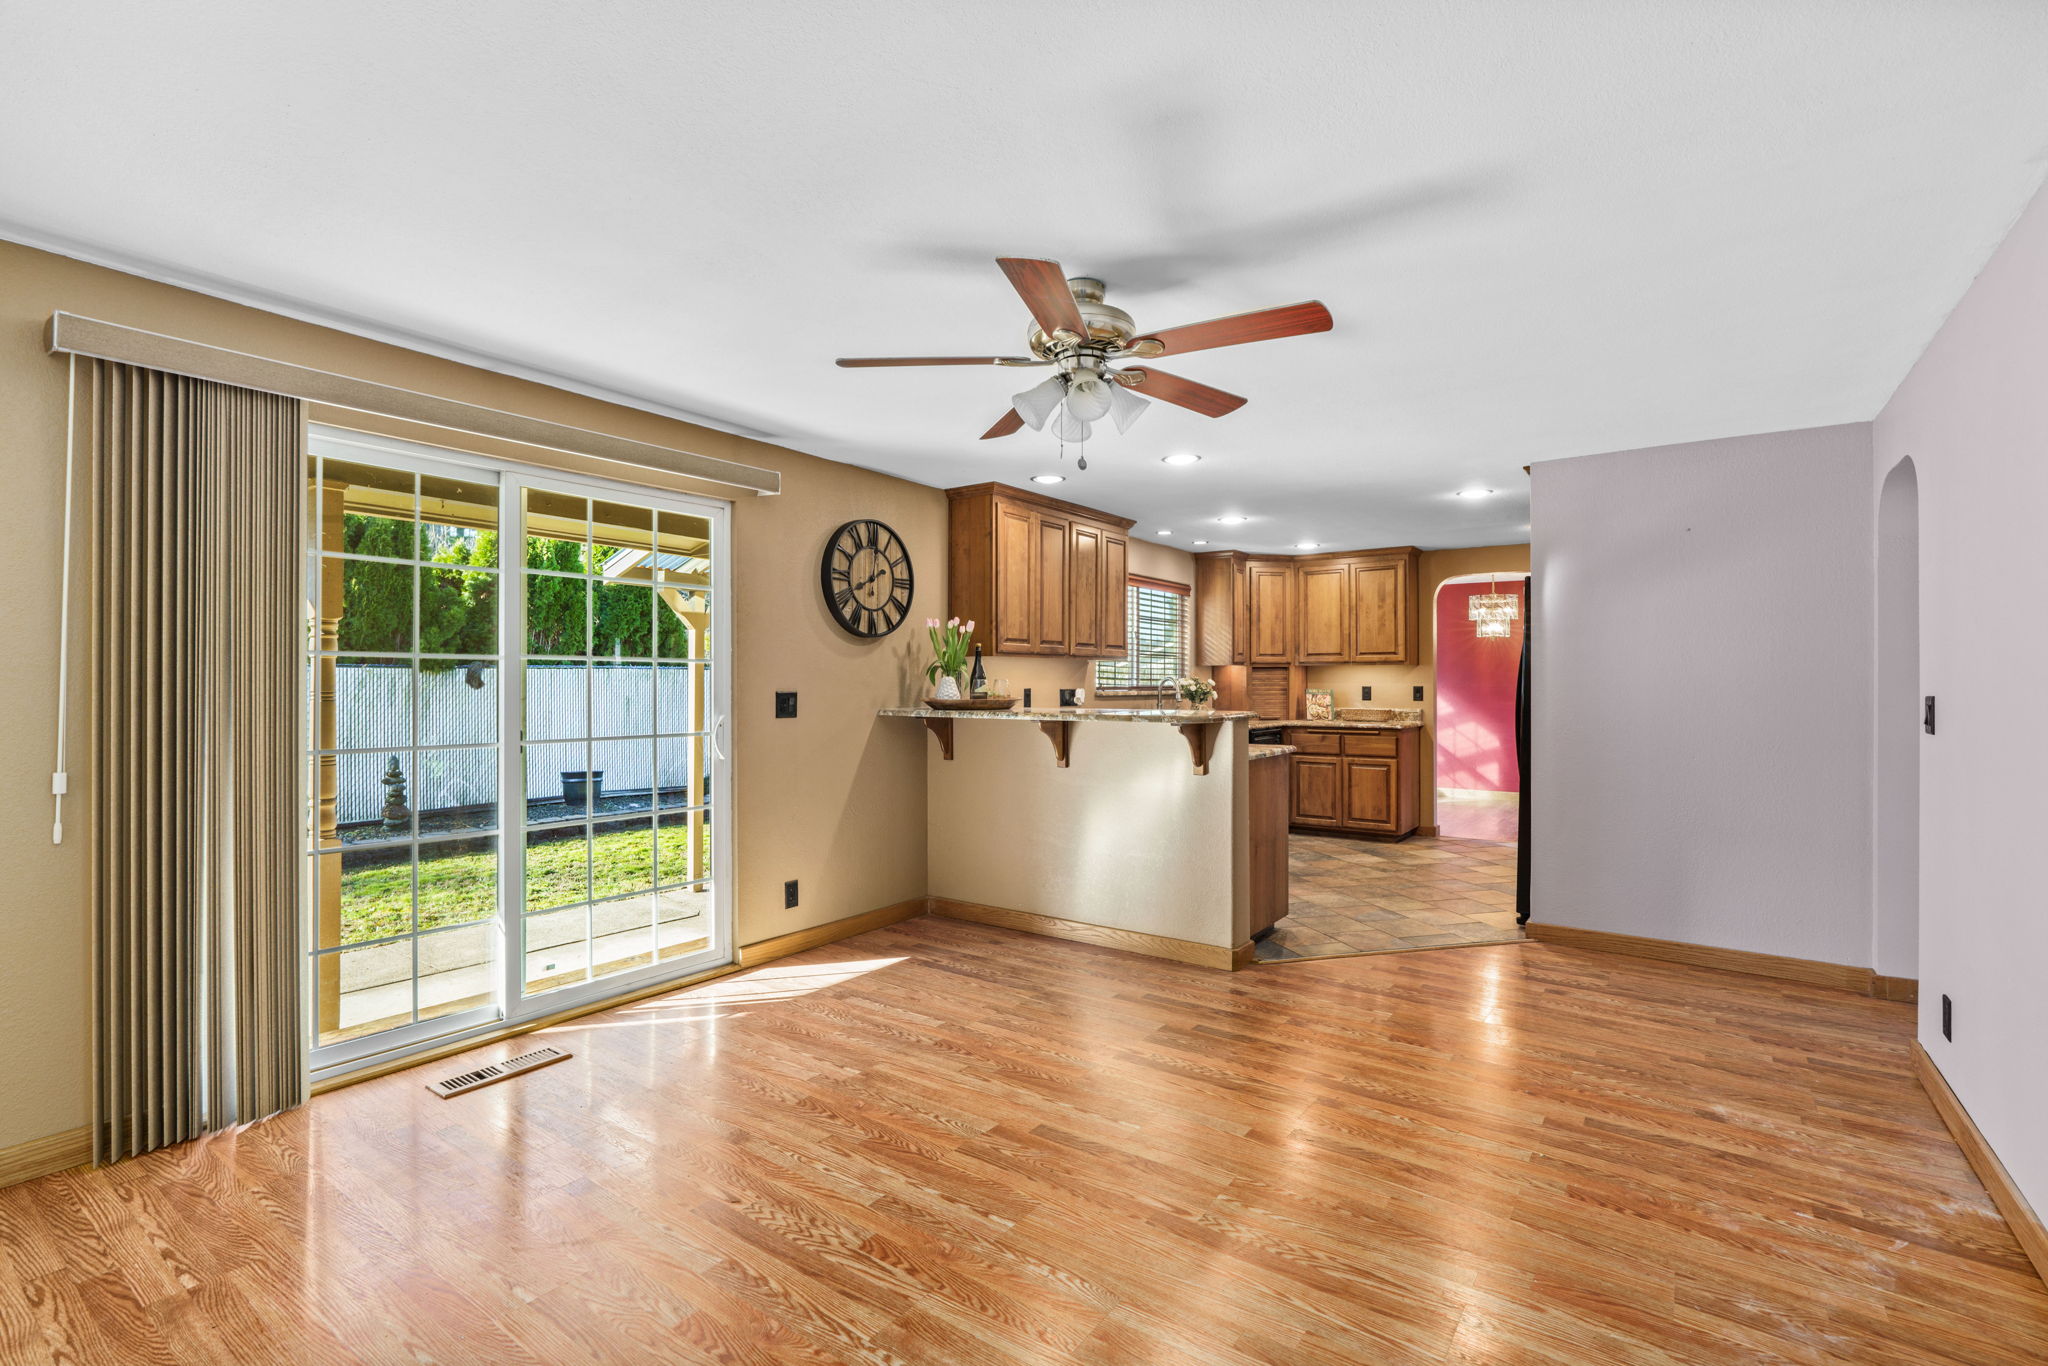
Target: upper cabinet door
1049 585
1271 588
1324 591
1015 629
1380 598
1116 629
1084 590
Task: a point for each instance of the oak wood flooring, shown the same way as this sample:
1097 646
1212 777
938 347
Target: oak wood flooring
943 1142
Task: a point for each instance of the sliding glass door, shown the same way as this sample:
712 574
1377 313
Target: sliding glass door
516 769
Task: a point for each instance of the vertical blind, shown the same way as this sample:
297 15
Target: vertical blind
195 611
1157 620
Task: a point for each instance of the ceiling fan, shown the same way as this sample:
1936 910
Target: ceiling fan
1074 330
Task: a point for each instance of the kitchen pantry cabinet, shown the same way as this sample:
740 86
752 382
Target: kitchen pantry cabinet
1351 781
1035 575
1357 607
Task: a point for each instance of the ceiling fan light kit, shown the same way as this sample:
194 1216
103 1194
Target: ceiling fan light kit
1073 329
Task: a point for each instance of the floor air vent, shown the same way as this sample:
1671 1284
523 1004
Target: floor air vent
497 1071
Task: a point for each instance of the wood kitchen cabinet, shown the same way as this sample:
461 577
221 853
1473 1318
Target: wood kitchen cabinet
1035 575
1353 607
1271 589
1355 782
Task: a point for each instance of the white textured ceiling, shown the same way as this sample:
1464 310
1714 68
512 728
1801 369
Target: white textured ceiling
1545 229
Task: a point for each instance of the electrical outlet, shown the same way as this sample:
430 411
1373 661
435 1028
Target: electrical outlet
1948 1019
785 706
1365 693
789 894
1418 692
1070 697
1027 699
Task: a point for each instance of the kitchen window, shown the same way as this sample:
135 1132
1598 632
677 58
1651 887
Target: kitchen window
1157 648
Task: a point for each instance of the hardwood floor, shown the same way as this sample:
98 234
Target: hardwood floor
947 1143
1363 896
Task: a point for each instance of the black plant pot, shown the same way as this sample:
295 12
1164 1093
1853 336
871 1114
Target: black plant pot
580 788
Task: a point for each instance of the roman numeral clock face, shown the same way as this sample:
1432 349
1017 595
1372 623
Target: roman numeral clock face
866 577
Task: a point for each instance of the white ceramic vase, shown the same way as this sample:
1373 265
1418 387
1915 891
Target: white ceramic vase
948 689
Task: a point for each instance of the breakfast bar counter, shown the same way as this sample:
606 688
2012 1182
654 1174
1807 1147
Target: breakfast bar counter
1127 827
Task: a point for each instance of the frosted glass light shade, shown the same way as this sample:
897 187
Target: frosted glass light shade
1088 396
1037 403
1125 407
1067 427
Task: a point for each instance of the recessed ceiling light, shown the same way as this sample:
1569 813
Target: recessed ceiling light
1198 543
1231 521
1164 532
1179 458
1048 479
1308 545
1475 493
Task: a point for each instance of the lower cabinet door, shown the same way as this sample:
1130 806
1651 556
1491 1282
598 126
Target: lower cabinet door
1317 798
1369 795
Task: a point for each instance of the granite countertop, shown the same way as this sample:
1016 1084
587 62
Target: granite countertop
1167 716
1350 725
1367 718
1268 751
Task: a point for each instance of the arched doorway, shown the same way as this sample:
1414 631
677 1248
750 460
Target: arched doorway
1895 930
1478 777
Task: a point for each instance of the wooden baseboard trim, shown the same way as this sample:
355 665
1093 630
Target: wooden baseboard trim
43 1156
1131 941
1894 988
1244 955
796 941
1838 975
2019 1215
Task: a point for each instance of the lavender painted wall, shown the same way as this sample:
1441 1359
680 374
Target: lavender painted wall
1703 623
1973 415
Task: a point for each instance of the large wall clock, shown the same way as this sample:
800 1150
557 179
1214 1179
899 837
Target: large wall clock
866 578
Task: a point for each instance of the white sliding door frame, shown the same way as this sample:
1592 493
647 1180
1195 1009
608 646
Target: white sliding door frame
513 1006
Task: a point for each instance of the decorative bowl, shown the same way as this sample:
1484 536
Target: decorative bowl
970 703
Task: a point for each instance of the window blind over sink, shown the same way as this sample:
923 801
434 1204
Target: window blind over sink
1157 619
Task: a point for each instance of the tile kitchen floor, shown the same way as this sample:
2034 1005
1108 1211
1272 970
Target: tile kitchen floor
1353 896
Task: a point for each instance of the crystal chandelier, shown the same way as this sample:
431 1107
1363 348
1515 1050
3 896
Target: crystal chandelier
1493 614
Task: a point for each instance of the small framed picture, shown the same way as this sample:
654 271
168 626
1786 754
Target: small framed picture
1321 704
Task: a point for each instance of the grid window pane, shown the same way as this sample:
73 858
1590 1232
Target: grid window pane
458 521
557 948
458 970
458 612
370 603
557 867
557 614
458 882
1158 640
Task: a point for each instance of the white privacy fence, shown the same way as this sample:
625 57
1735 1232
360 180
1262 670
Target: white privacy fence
373 707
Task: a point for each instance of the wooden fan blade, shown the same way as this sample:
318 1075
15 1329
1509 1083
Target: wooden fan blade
1208 401
1268 324
1007 423
1043 287
860 362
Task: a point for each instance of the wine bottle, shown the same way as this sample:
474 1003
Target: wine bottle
977 681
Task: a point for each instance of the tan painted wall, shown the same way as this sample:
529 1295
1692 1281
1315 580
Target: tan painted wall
1392 684
1126 836
834 798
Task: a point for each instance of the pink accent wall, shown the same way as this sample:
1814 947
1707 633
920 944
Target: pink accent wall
1475 694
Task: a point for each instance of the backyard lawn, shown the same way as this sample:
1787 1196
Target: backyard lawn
459 879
